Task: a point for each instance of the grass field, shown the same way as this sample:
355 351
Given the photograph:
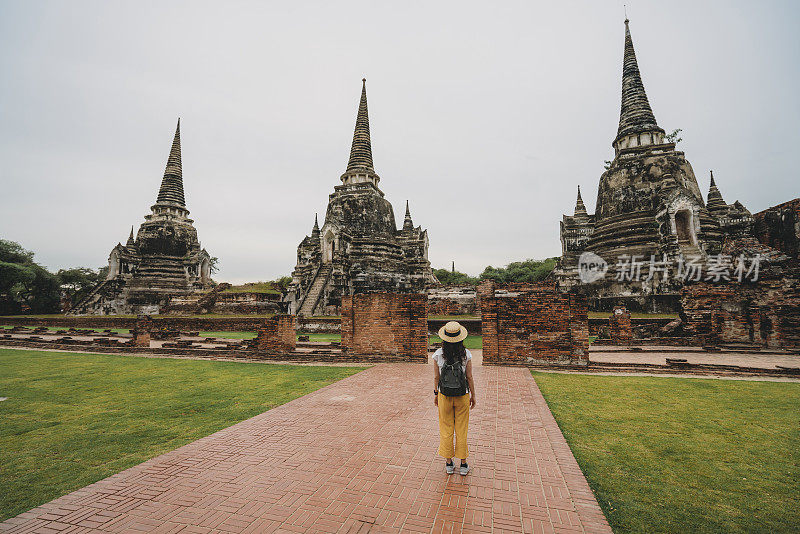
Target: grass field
229 335
471 342
72 419
684 455
635 315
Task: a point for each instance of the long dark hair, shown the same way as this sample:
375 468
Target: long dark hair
454 351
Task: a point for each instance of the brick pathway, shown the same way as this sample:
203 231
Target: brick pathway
763 361
356 456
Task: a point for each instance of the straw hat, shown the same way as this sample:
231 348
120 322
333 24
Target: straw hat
452 332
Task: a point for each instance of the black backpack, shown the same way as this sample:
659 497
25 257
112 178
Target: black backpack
452 380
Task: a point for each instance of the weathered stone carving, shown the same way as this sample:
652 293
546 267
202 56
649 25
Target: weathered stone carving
164 260
649 205
359 248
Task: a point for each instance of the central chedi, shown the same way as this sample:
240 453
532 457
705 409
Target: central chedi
650 215
359 248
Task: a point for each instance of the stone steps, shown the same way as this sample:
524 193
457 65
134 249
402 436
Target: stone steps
312 297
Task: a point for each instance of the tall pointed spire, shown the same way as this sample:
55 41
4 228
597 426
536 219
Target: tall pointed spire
580 208
715 201
635 114
131 241
171 191
361 150
315 230
408 224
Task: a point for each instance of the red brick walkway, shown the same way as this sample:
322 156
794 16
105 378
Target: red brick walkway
356 456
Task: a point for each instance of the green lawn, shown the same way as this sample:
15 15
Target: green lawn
471 342
229 335
323 337
635 315
72 419
684 455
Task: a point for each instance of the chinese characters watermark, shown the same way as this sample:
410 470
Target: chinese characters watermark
715 268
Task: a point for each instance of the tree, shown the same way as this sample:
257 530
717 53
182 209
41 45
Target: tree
674 137
282 283
521 271
213 264
43 294
77 282
24 283
13 252
454 278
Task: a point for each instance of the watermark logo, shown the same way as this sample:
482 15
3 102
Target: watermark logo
714 268
591 267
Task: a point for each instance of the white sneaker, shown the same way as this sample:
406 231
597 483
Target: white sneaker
465 469
449 468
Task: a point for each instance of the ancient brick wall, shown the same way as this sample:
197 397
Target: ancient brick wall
779 227
386 324
227 324
473 326
452 300
141 332
326 325
485 288
276 335
535 324
620 326
765 314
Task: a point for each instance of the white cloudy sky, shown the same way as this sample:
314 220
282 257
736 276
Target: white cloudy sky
485 115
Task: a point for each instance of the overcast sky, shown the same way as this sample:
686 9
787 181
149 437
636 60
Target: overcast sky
485 115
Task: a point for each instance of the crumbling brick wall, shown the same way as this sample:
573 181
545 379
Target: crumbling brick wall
452 300
620 326
534 324
386 324
276 335
765 314
486 288
779 227
141 331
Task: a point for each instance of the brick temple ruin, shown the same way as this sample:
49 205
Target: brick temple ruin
164 260
648 205
533 324
359 248
391 325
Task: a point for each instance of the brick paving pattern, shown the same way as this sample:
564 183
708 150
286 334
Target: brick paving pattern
762 361
356 456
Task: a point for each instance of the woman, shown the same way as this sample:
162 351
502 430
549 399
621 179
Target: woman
454 394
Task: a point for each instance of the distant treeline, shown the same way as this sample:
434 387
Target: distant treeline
27 287
518 271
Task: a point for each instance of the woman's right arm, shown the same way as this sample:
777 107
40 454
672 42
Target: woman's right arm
471 383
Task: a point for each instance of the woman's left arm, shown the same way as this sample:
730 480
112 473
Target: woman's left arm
471 383
435 382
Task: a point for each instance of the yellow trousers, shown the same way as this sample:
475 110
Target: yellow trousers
453 419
